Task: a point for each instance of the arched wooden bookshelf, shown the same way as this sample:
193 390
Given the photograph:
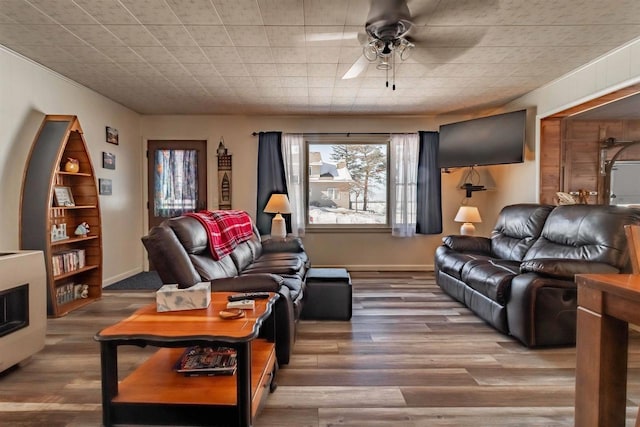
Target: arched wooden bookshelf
74 261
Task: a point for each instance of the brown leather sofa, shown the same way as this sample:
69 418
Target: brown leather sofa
179 251
521 279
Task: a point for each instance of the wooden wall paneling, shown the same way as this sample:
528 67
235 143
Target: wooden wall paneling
551 125
581 166
550 159
632 130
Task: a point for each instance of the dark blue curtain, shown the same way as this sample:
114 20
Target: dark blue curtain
271 178
429 209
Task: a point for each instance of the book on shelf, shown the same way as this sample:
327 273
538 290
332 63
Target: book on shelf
70 291
67 261
204 360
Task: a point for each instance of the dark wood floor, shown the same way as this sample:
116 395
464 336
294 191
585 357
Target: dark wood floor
409 357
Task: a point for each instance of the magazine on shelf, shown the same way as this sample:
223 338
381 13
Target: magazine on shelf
201 360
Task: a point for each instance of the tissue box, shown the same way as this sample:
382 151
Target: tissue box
170 298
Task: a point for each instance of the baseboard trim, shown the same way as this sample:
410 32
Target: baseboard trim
121 276
377 267
421 267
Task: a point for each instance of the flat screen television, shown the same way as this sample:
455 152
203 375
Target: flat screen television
489 140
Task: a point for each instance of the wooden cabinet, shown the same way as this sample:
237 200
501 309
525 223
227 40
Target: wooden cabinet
48 223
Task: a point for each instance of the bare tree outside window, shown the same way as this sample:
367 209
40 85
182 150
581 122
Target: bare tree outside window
348 184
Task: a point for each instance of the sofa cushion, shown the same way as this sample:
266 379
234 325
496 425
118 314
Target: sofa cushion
278 266
243 255
491 278
302 256
210 269
248 283
295 285
586 232
566 268
517 229
190 233
475 244
452 262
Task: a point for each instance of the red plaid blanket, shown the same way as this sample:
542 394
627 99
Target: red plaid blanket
225 229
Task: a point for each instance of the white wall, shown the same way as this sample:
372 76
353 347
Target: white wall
617 69
517 183
27 93
354 250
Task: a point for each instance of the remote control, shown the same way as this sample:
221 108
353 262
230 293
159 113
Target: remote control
245 304
248 295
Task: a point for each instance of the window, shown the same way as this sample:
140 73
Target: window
348 183
333 193
175 175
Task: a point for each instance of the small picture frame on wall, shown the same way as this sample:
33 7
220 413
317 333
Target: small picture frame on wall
108 160
105 186
112 135
62 197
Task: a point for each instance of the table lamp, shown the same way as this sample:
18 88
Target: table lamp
468 215
278 204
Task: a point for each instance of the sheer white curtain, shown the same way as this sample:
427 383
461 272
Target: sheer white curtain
404 173
293 158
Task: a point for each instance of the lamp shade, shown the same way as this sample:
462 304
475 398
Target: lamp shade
278 203
468 214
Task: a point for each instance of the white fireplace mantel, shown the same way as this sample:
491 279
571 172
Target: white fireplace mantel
18 268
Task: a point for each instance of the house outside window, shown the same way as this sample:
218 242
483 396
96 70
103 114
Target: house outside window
348 184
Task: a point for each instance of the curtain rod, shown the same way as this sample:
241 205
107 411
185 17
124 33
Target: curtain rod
340 133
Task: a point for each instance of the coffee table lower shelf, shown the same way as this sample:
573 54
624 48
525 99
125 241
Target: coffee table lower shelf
155 394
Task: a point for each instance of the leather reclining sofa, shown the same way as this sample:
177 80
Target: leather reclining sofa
178 249
521 279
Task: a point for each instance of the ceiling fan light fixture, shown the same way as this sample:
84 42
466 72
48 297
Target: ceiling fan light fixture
383 64
404 49
370 51
388 24
386 50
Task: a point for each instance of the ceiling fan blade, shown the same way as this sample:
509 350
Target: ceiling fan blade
357 68
388 19
388 11
323 37
363 38
443 13
425 37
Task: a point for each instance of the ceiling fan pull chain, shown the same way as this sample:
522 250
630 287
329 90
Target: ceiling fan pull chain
387 71
394 71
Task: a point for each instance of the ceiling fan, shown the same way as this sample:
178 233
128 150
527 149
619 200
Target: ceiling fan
391 31
387 36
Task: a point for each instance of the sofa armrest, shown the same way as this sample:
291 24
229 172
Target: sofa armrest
565 268
169 257
248 283
541 310
460 243
290 244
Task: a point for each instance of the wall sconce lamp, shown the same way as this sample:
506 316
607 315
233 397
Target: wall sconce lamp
278 204
468 215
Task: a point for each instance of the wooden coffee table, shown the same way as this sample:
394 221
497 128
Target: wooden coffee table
155 394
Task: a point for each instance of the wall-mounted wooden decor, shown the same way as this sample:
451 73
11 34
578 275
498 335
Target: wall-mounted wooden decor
224 181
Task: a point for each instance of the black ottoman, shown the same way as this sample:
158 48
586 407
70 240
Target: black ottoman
327 294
